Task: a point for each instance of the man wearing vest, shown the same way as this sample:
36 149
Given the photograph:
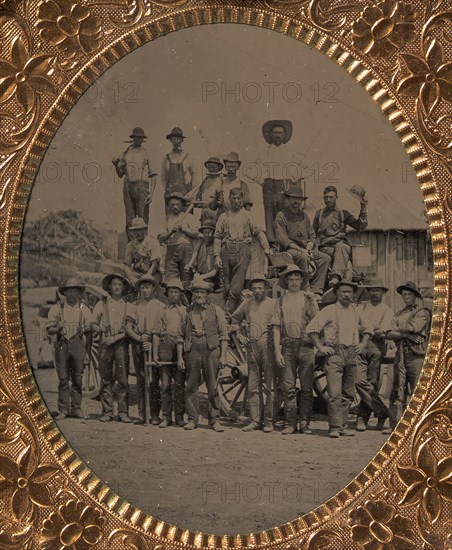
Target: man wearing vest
139 178
140 324
232 248
205 339
178 174
202 263
378 317
110 323
341 325
256 314
143 253
168 329
294 351
410 331
295 235
71 323
330 224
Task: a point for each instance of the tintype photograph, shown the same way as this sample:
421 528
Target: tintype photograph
226 278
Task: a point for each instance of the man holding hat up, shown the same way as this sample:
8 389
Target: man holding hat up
139 178
340 324
141 321
205 337
142 253
256 314
177 174
166 335
379 318
295 234
71 323
409 330
110 323
294 351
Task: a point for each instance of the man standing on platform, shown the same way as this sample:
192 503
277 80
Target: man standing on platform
139 178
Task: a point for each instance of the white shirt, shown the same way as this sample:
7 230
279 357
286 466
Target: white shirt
280 162
137 166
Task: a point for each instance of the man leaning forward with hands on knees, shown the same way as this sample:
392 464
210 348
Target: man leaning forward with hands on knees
340 324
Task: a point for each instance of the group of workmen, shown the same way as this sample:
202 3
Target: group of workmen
176 311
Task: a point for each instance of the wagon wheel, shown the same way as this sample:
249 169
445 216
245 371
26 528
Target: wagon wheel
233 383
91 375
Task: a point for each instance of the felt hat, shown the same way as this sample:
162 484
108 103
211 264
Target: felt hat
376 283
71 282
208 224
409 285
232 157
108 279
176 195
345 282
138 132
258 277
214 160
176 132
291 268
270 124
174 283
295 193
138 223
146 279
198 284
357 191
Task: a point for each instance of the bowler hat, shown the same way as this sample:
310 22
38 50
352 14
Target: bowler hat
175 283
108 279
138 132
199 284
232 157
376 283
357 191
208 224
259 277
176 132
176 195
138 223
409 285
291 268
270 124
146 279
345 282
214 160
71 282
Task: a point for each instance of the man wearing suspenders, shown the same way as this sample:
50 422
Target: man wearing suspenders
71 323
109 322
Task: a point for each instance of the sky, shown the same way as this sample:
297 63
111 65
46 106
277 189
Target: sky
219 83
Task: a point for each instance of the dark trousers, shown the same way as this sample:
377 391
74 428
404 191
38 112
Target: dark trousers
407 369
261 381
200 359
368 380
113 368
235 258
322 263
69 358
177 257
299 360
168 353
154 389
135 196
340 254
274 201
340 371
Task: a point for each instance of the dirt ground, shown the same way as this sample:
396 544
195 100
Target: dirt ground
214 482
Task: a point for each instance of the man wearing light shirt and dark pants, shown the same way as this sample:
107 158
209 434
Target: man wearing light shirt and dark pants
340 324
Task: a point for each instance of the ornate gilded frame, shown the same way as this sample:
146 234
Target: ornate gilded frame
398 52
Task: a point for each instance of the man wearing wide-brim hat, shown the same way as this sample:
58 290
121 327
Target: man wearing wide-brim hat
335 332
252 320
143 253
330 225
294 234
71 323
277 170
379 318
179 235
205 342
294 350
410 331
167 348
212 179
139 178
109 317
202 262
177 173
141 321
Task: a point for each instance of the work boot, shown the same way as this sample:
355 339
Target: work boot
305 429
387 431
288 430
124 417
381 421
347 432
165 423
106 418
180 422
77 414
191 425
251 427
360 425
217 427
155 420
268 428
335 434
62 415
